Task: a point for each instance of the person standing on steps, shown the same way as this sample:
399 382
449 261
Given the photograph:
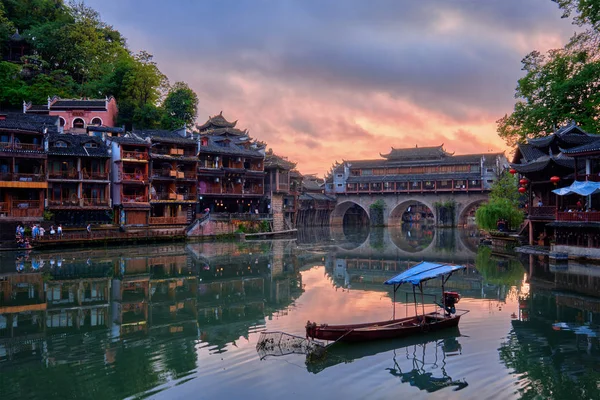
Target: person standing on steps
89 230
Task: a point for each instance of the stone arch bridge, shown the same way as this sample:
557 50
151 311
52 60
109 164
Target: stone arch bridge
397 204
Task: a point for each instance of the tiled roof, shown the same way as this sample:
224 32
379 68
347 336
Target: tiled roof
234 147
592 147
316 196
413 153
129 138
295 174
529 152
311 185
216 121
413 177
541 163
79 104
164 136
569 134
489 159
449 160
100 128
275 161
29 122
76 145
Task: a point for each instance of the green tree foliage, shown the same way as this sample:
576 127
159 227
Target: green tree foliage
74 54
180 107
503 204
561 85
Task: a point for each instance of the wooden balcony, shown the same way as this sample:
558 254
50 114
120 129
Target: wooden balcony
132 198
73 175
25 147
134 177
544 212
168 220
26 208
134 156
91 202
170 196
22 177
95 176
578 216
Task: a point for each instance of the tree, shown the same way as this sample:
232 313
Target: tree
588 11
557 87
503 204
180 107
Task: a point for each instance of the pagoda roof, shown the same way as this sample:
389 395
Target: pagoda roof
570 134
416 153
543 162
76 145
216 121
273 161
309 184
295 174
592 147
230 146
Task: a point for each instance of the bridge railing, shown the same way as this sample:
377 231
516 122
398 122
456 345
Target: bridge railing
424 186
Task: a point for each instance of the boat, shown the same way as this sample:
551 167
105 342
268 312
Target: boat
435 321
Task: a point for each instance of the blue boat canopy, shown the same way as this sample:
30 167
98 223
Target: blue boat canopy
423 272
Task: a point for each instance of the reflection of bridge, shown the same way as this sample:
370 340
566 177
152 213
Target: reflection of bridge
447 245
397 204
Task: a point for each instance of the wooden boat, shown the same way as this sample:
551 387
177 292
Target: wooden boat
397 328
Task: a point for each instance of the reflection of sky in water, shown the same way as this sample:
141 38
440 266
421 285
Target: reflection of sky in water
199 326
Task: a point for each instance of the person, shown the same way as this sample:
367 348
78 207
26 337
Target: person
59 231
18 232
34 231
89 229
41 232
579 205
540 203
52 231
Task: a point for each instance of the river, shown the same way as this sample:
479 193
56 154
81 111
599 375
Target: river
178 321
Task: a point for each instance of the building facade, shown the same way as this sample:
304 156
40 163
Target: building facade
231 169
75 115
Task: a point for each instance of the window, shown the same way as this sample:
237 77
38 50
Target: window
490 170
339 175
78 123
60 144
339 185
367 172
96 121
91 145
62 121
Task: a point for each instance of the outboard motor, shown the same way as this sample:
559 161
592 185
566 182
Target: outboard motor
450 299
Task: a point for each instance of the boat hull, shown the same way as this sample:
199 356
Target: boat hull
390 329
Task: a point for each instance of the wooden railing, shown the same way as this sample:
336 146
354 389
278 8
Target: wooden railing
135 155
9 146
579 216
164 173
26 208
91 202
167 220
189 175
4 209
75 202
94 175
134 177
173 196
543 212
131 198
22 177
64 175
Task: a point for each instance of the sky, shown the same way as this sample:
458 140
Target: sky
329 80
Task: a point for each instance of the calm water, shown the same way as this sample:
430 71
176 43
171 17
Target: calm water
182 321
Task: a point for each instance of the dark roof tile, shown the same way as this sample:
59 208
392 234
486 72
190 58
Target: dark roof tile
76 145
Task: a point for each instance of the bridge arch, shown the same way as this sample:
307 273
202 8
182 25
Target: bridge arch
410 238
425 211
340 210
467 210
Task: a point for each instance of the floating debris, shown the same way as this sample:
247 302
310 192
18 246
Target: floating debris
281 344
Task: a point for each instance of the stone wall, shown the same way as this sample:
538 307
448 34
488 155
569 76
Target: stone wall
277 210
213 228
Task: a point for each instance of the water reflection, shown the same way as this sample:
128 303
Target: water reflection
418 361
131 321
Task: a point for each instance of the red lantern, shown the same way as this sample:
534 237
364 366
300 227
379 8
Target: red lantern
522 189
555 179
512 171
523 181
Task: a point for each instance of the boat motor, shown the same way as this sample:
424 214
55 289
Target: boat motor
450 299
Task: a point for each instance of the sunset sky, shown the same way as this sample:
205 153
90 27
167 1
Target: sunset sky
326 80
